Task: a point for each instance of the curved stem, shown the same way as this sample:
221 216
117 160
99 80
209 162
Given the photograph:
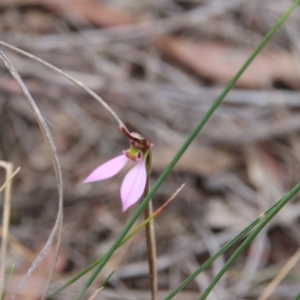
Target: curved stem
72 79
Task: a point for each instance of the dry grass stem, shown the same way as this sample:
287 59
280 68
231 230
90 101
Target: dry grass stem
57 228
6 217
280 276
10 178
95 294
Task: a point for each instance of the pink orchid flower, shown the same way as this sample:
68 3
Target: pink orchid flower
134 182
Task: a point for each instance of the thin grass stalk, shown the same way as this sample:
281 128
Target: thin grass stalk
266 219
11 272
280 276
16 171
252 225
95 294
57 228
103 284
5 221
227 246
130 235
183 148
188 280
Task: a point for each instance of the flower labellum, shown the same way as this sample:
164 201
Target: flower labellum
134 183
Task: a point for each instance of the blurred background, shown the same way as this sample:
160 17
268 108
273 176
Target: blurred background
159 65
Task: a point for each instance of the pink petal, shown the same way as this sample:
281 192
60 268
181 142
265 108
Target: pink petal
108 169
133 185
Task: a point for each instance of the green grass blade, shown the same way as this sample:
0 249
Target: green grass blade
132 233
267 218
75 278
96 262
7 282
106 279
180 152
218 254
127 237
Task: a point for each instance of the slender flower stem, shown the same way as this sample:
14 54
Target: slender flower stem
180 152
150 235
130 235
